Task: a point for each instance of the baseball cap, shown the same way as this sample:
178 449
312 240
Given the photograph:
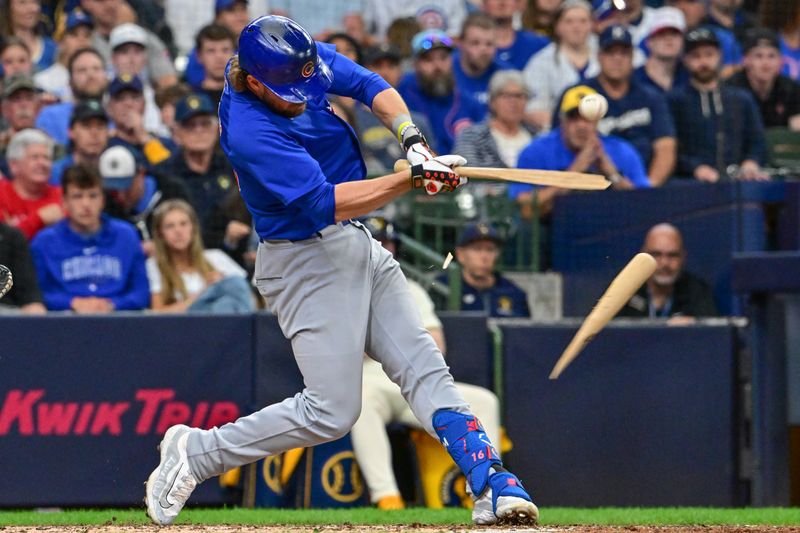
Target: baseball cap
78 17
428 40
193 105
18 82
480 231
756 37
667 18
698 37
373 54
225 4
118 168
380 228
127 33
87 109
125 82
572 98
615 35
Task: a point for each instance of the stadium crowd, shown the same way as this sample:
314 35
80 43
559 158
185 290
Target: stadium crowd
114 193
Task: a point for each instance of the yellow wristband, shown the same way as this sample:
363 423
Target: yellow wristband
400 129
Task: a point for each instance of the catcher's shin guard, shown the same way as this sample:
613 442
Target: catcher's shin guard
468 445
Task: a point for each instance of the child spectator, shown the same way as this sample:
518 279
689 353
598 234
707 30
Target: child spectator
28 201
23 19
186 277
89 262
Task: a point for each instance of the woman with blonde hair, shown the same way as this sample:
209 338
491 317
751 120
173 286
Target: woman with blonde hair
183 275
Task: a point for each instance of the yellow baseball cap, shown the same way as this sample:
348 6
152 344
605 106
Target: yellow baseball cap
573 97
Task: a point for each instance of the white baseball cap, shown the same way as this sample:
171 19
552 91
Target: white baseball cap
118 168
127 33
667 18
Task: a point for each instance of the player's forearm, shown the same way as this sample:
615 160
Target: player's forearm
663 162
357 198
387 106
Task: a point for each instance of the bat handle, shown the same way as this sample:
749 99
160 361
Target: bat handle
402 164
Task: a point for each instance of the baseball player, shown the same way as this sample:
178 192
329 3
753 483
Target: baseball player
337 292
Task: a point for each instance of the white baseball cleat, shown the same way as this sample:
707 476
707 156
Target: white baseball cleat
504 501
171 483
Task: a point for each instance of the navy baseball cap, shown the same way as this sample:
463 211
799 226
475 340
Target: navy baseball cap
615 35
78 17
698 37
125 82
226 4
480 231
193 105
428 40
87 109
756 37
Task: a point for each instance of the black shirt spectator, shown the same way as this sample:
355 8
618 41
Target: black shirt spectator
777 96
15 254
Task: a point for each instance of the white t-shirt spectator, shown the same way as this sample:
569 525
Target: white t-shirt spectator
193 281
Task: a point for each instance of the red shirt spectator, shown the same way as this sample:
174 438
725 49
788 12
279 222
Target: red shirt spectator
28 202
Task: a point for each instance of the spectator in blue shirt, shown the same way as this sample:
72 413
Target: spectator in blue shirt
717 125
635 113
89 262
474 62
513 46
577 146
431 89
482 287
88 81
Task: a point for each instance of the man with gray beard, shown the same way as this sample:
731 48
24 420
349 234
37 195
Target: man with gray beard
20 106
671 292
431 89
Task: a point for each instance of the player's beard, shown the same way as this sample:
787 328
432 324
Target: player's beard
437 86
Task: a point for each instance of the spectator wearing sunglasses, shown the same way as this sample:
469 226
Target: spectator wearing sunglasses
431 89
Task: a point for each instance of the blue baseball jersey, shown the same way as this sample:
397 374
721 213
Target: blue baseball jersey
504 299
525 45
640 117
476 88
109 264
448 115
549 152
287 168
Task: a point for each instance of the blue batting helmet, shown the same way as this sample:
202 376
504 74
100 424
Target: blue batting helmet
279 53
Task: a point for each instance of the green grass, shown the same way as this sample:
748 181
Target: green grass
617 516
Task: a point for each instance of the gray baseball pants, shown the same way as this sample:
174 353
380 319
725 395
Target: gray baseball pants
336 295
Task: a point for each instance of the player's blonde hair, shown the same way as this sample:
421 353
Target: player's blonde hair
237 76
171 281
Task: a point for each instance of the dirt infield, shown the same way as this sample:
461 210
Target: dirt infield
397 529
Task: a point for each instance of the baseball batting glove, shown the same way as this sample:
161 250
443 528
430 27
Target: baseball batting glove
415 145
437 175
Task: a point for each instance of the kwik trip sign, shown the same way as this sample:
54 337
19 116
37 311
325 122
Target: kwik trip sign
150 411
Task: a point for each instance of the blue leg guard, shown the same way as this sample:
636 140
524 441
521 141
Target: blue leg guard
468 445
504 483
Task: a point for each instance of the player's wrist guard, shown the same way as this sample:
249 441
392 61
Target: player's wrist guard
468 445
